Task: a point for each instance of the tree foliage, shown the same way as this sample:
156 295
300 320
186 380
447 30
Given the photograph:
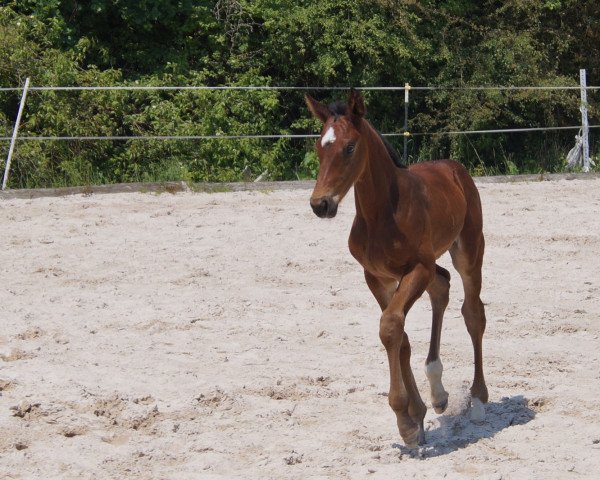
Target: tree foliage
453 43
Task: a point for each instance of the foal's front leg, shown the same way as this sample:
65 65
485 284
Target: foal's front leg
404 396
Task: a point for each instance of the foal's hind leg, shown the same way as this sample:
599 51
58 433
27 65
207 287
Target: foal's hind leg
467 257
438 291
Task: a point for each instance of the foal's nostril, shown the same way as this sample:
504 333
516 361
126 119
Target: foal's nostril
319 206
324 207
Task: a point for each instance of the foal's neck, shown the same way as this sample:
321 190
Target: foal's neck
377 189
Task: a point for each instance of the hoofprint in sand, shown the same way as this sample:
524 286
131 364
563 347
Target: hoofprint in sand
232 335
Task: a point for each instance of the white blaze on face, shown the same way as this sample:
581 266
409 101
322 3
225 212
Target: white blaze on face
328 137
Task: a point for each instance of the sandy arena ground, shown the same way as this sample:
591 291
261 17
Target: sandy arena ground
228 335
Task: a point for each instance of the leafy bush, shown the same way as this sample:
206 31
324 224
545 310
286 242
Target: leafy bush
267 42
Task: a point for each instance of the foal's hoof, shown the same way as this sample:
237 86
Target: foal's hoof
441 407
414 438
477 411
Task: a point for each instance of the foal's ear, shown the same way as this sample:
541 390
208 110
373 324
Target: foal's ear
319 110
356 104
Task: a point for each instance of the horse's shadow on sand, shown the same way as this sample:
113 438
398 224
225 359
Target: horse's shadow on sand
458 431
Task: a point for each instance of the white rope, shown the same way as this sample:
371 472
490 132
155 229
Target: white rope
575 155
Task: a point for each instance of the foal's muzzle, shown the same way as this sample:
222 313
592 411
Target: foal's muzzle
324 207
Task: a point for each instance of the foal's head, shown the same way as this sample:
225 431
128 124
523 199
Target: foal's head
340 151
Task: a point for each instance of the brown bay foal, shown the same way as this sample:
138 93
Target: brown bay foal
406 218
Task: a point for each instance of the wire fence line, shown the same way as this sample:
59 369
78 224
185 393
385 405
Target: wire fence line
406 88
275 136
284 88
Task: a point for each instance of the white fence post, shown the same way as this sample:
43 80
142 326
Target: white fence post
406 134
584 121
14 134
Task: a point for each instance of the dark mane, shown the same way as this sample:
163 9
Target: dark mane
338 108
394 155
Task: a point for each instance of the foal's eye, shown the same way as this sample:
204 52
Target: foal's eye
349 150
